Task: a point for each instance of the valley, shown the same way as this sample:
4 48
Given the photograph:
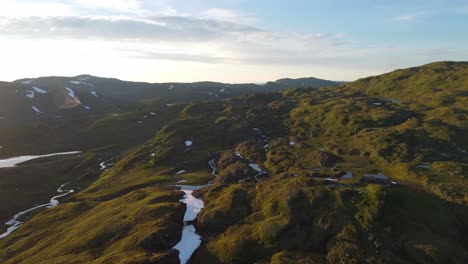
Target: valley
293 171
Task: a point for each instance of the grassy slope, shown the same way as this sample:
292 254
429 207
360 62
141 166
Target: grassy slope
293 215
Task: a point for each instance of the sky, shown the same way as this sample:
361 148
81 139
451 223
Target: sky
227 40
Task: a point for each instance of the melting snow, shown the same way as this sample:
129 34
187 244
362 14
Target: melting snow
39 90
292 143
377 104
27 82
71 93
423 166
75 82
348 175
180 172
379 176
36 110
94 93
152 113
190 239
30 94
87 107
255 167
188 143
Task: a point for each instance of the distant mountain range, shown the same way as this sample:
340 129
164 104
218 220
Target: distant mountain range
54 97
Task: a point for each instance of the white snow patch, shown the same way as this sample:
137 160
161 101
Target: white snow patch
75 82
190 239
255 167
152 113
182 181
36 109
39 90
87 107
30 94
423 166
188 143
94 93
12 162
292 143
377 104
180 172
348 175
71 93
28 81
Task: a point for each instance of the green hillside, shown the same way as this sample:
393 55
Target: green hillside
372 171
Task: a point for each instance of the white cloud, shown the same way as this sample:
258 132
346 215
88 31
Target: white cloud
228 15
119 5
110 37
412 16
26 8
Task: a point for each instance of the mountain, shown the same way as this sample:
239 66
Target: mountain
55 97
301 83
371 171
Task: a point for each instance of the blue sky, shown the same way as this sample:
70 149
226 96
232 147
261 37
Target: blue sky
227 40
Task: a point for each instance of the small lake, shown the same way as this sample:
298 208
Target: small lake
13 162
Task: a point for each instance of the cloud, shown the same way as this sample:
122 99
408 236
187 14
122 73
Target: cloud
25 8
178 29
412 16
113 4
222 14
138 54
212 36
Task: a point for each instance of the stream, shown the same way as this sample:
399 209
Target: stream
16 222
17 219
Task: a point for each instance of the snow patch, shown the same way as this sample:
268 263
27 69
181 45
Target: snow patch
94 93
36 109
190 239
188 143
348 175
71 93
180 172
30 94
39 90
